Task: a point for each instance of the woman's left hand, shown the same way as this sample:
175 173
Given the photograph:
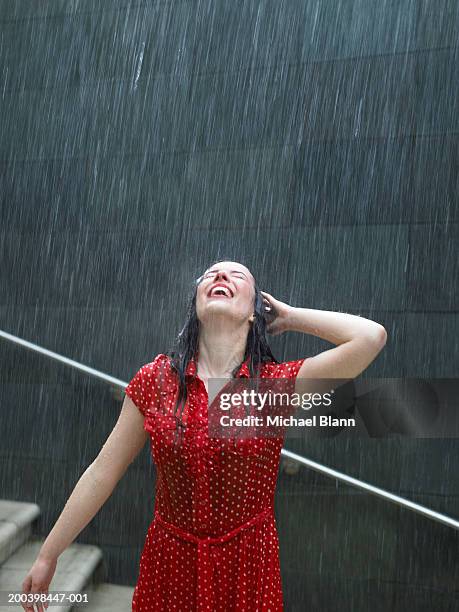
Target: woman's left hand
281 323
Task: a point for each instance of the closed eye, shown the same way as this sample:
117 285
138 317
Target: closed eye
234 272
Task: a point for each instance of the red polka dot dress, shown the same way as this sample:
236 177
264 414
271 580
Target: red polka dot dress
212 545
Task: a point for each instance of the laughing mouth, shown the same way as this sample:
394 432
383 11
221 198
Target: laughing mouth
220 291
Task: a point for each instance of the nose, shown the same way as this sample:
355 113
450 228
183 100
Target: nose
221 275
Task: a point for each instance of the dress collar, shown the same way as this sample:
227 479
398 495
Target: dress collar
243 370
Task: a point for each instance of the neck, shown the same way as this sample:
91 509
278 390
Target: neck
220 350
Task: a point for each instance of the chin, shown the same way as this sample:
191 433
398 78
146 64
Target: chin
218 312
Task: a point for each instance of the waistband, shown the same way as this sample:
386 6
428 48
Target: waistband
205 592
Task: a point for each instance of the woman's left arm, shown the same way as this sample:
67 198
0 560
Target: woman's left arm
358 340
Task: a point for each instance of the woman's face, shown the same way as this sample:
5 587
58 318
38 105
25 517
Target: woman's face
234 299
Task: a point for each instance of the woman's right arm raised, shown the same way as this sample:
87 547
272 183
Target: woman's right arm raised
92 490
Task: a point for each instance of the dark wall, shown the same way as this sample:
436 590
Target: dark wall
315 141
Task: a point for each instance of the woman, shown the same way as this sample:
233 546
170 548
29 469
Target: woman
212 544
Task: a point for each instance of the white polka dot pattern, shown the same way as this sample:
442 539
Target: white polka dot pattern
212 545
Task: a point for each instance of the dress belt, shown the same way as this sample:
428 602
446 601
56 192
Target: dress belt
205 593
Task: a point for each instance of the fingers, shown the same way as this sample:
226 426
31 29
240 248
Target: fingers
36 606
31 588
25 591
31 607
266 299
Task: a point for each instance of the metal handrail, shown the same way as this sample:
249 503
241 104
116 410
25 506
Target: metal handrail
318 467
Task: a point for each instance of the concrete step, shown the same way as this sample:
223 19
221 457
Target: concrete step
74 572
16 520
79 567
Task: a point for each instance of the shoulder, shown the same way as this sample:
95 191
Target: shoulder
146 385
150 373
160 362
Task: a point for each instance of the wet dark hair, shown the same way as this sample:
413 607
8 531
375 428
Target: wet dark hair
186 343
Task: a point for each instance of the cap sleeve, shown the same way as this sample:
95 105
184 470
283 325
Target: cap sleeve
288 369
143 389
